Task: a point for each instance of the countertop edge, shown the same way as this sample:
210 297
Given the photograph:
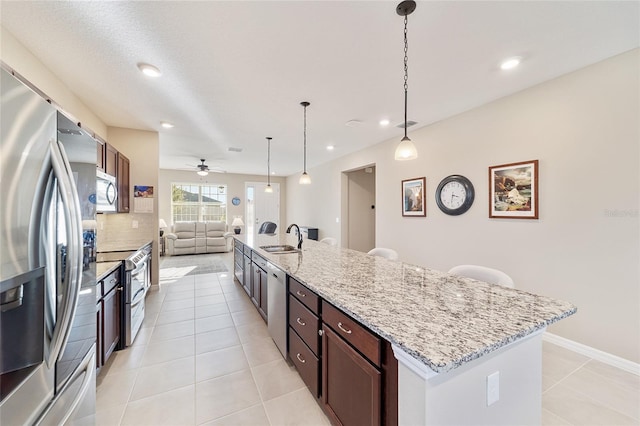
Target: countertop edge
436 367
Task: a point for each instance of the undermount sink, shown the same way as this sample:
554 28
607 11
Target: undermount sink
280 249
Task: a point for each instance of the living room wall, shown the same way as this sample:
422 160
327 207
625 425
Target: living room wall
235 188
584 248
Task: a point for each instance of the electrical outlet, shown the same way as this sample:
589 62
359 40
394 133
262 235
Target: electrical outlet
337 220
493 388
134 224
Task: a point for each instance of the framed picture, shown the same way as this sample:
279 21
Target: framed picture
514 190
413 201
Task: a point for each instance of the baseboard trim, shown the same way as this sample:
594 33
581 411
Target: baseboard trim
597 354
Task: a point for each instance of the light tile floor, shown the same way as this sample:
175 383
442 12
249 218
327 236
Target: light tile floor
204 357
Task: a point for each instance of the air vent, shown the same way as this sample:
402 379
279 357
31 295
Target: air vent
70 132
409 124
353 123
232 149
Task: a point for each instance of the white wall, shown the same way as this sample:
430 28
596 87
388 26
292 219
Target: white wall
584 129
21 60
142 149
235 188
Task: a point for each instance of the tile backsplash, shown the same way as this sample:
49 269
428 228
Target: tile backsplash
125 227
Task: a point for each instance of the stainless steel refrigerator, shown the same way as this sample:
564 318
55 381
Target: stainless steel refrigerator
47 262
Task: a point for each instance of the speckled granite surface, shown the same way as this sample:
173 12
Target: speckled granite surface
104 268
442 320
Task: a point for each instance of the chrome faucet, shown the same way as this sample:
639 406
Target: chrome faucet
299 234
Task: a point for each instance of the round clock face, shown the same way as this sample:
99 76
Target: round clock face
454 195
235 201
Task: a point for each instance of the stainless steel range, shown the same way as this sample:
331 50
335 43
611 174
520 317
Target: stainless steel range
137 265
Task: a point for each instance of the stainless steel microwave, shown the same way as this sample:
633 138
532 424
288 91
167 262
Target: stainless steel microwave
106 193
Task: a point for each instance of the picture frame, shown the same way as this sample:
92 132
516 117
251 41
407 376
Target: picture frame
513 190
413 197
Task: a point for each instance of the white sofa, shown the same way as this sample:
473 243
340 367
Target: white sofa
199 237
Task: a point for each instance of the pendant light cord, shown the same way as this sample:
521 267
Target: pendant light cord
268 161
406 74
305 139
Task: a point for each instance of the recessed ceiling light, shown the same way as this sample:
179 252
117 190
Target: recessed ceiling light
330 147
149 70
166 124
384 122
510 63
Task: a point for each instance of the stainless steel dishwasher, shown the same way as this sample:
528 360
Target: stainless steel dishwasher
277 307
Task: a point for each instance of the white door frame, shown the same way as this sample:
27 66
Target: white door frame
270 213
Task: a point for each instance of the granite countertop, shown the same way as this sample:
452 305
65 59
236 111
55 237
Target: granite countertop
132 245
105 268
440 319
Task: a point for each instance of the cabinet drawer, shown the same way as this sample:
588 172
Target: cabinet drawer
238 245
306 296
259 260
305 361
247 251
112 280
305 323
358 336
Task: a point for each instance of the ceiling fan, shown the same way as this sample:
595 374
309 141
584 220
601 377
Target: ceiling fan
203 169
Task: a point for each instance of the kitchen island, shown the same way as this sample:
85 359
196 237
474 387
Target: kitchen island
450 334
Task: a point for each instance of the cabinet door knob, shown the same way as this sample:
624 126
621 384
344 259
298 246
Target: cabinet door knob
301 294
302 360
320 332
300 322
346 330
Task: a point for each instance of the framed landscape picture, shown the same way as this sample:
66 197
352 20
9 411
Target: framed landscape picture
413 201
514 190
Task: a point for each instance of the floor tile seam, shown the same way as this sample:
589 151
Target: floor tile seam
222 376
563 378
613 381
228 415
193 382
161 393
558 415
596 401
604 377
219 349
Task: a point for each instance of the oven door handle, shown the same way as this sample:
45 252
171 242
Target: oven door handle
135 300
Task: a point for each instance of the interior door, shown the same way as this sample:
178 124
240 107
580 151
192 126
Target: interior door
261 206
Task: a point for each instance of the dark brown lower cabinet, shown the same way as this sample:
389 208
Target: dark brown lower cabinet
259 290
110 322
305 361
351 385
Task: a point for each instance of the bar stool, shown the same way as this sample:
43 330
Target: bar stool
482 273
384 252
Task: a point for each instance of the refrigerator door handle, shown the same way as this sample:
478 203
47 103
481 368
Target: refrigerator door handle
69 196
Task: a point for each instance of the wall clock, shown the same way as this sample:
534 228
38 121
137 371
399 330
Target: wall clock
454 195
235 201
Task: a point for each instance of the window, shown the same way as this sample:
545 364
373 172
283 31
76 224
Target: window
192 202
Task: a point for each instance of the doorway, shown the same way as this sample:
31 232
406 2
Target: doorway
359 185
261 206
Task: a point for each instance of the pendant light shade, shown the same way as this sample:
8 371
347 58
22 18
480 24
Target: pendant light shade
305 179
268 189
406 150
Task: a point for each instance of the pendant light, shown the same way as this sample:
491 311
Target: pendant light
305 179
268 189
406 150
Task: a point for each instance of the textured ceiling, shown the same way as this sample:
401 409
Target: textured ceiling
234 72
